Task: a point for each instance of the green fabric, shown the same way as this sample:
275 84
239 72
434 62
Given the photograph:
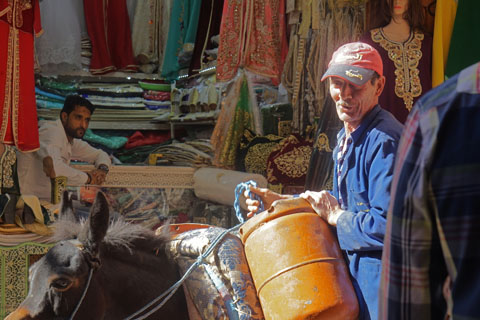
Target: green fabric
48 103
465 41
112 142
183 29
55 84
242 119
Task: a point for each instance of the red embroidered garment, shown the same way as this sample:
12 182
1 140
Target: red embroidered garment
108 27
287 164
252 35
19 21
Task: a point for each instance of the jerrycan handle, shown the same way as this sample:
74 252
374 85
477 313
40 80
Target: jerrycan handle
278 209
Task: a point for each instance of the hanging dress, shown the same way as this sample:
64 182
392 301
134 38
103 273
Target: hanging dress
181 34
108 27
212 11
252 35
407 68
19 22
58 50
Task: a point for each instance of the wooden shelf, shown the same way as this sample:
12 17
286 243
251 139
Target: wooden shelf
128 125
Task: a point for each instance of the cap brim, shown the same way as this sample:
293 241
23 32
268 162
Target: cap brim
357 76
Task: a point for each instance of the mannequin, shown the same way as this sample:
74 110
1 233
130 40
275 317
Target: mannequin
406 51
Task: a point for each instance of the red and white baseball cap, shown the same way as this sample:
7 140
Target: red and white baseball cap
355 62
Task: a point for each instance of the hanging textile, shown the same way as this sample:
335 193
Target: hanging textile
145 31
181 36
317 28
252 35
59 48
254 150
108 27
320 170
212 10
19 21
235 116
287 164
407 68
149 32
445 12
465 43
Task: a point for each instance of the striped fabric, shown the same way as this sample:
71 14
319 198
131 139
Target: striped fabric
433 223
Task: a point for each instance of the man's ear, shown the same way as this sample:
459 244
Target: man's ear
380 84
63 117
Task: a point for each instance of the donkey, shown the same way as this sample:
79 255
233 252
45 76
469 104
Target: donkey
101 268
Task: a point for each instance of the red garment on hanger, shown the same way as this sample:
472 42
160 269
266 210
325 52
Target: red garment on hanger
252 35
108 27
19 21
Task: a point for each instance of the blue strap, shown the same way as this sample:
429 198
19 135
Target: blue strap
241 187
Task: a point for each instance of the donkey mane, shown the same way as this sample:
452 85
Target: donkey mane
120 234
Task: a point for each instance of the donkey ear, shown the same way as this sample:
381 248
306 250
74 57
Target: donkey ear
66 208
98 221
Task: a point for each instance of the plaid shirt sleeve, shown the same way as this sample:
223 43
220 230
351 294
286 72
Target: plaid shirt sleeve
433 222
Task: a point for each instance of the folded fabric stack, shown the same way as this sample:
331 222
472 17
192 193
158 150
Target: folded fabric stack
113 95
86 55
156 94
110 141
196 153
50 93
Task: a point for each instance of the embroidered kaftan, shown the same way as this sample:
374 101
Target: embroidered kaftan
252 35
19 21
407 68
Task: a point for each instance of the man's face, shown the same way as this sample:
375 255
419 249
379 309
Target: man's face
352 102
76 123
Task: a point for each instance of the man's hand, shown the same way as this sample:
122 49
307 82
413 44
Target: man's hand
48 167
98 176
266 195
324 204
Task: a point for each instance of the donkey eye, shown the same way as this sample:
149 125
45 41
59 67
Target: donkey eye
61 284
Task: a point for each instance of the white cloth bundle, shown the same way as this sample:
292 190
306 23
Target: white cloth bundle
219 185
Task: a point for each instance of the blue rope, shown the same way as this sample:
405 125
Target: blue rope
241 187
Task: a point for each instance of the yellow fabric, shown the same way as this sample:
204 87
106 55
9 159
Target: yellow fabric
11 229
306 19
38 226
442 31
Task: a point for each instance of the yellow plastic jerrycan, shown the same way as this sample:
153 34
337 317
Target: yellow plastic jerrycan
297 265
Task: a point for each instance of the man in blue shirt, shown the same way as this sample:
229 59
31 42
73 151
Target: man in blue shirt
363 167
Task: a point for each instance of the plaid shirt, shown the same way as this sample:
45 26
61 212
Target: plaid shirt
433 223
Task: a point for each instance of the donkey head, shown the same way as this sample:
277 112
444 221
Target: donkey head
58 280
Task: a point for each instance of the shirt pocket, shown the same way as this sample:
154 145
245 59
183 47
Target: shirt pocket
359 201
